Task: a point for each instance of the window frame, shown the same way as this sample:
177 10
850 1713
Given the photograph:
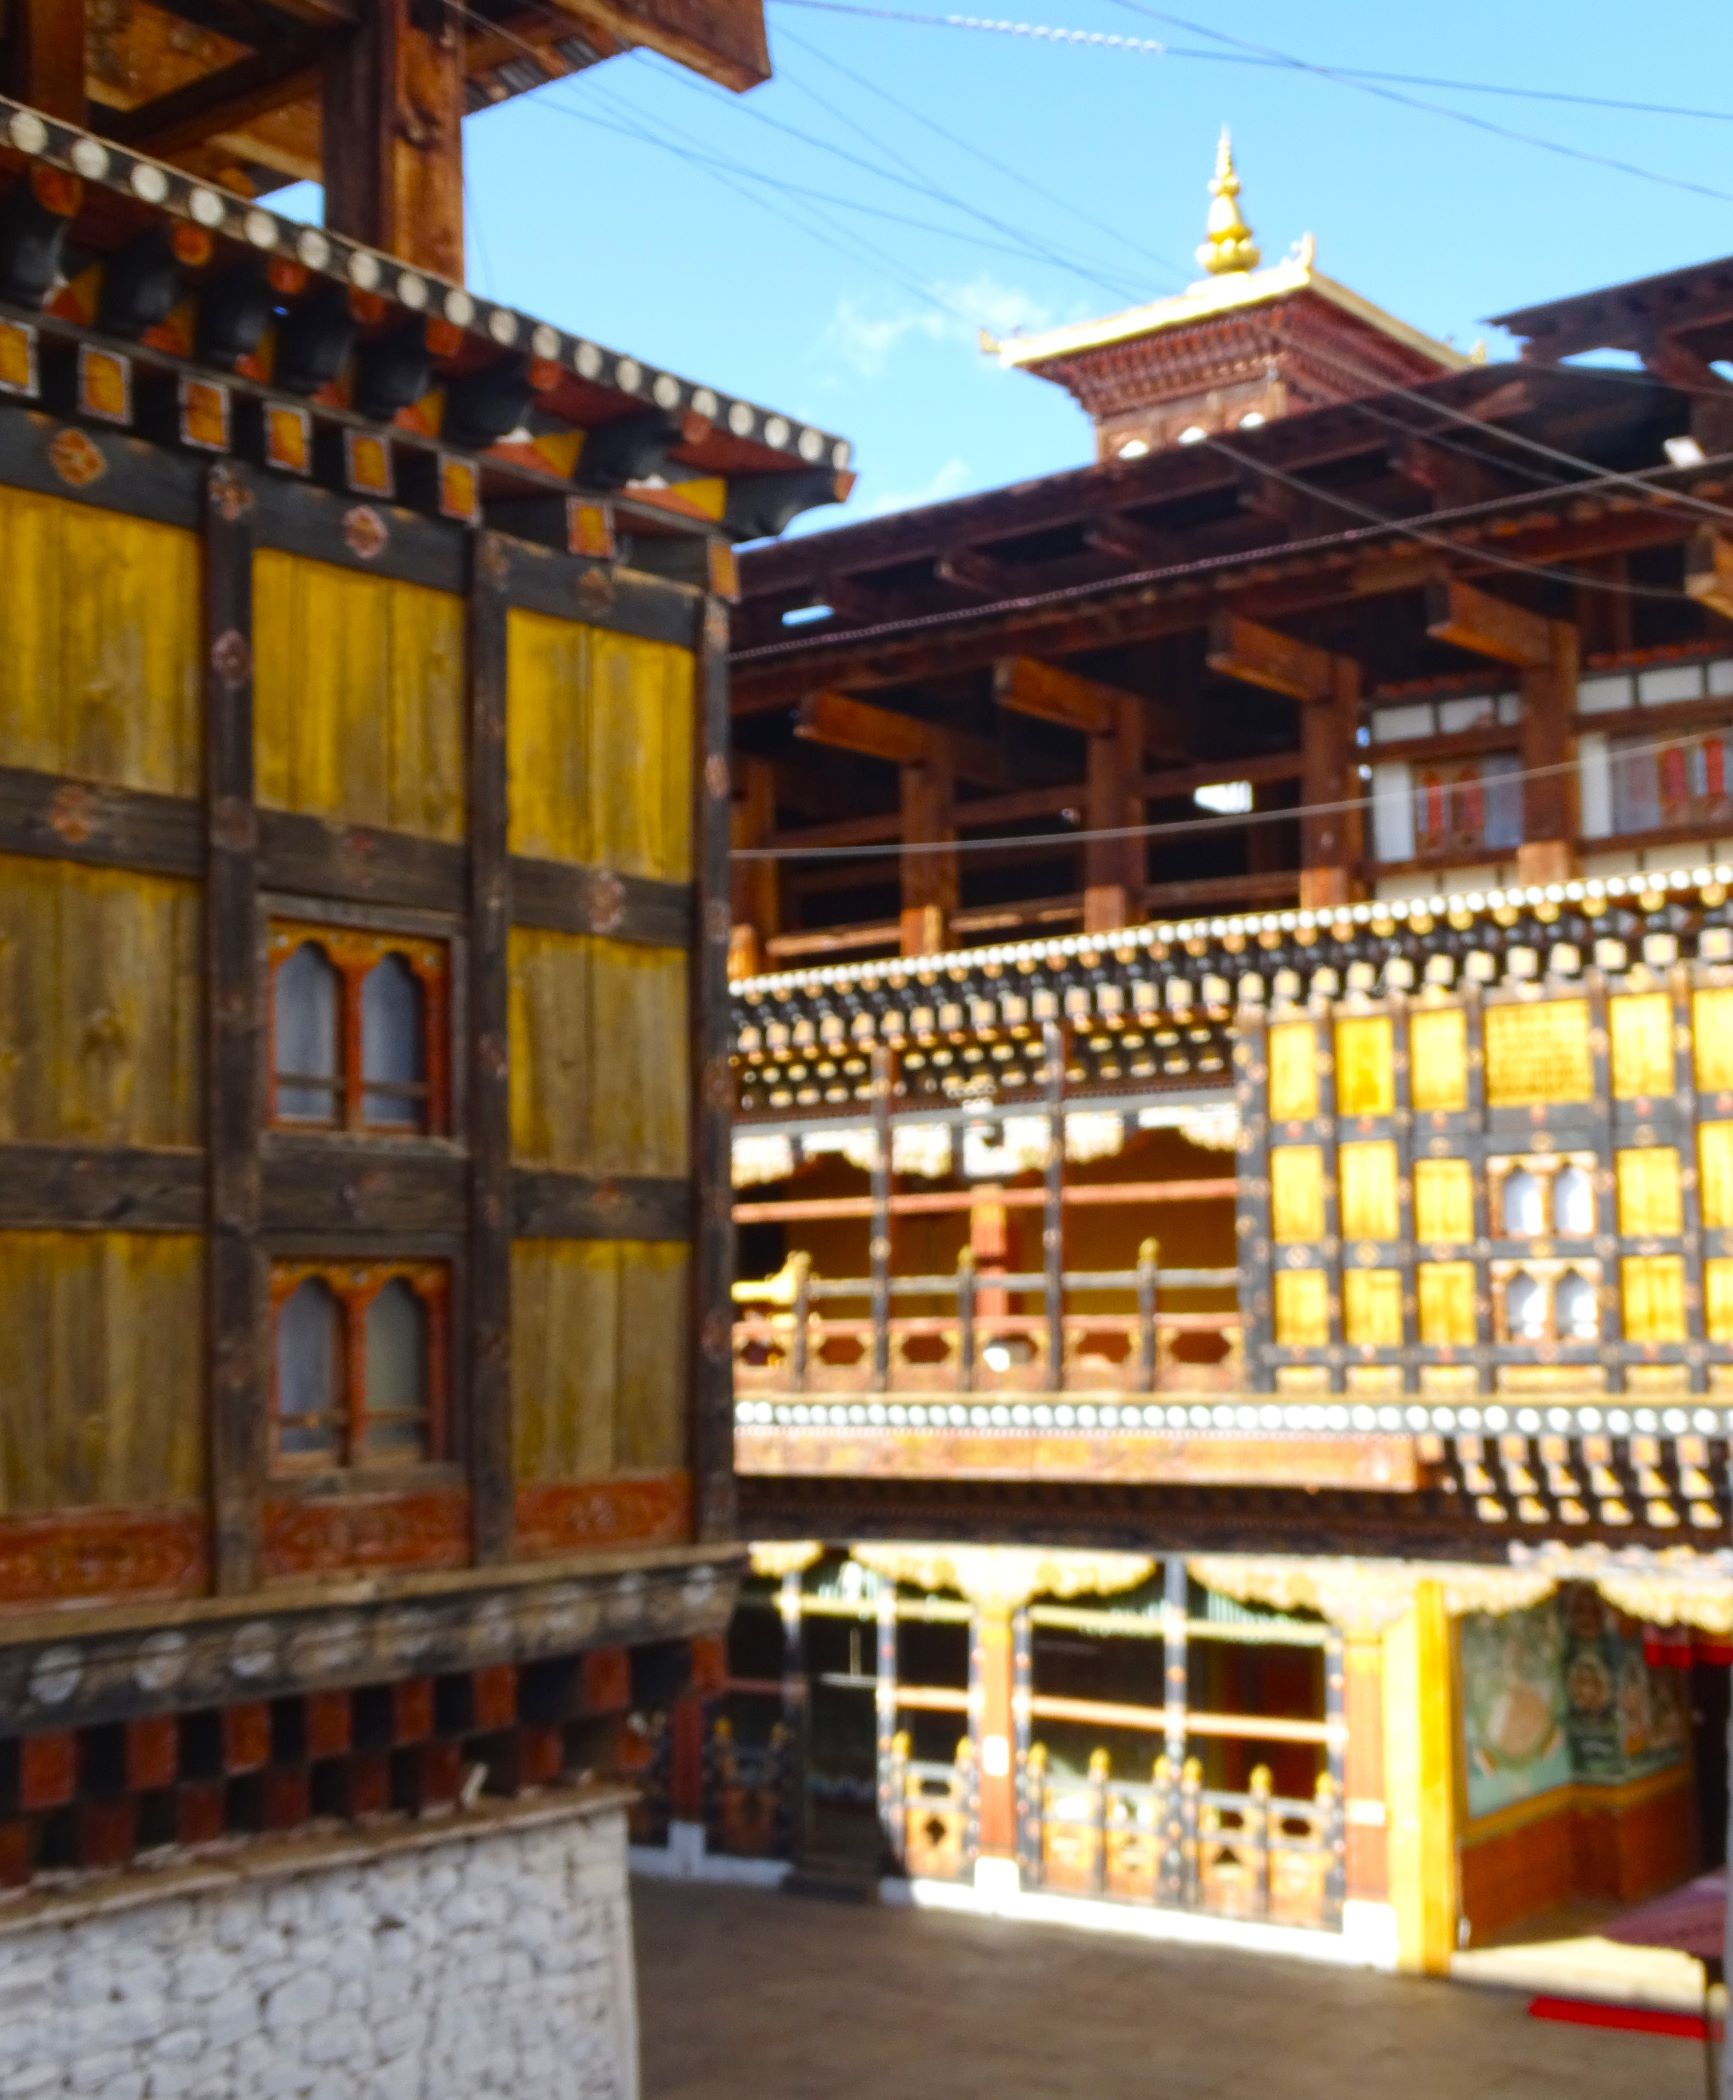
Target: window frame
355 940
355 1282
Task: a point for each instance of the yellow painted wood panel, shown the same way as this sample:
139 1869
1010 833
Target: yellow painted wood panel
1640 1029
1652 1288
99 645
1302 1308
1446 1303
101 1008
1538 1051
101 1369
1365 1066
1370 1209
1718 1300
1293 1071
1651 1197
1297 1194
358 696
599 1076
1715 1150
1438 1059
1443 1200
600 732
599 1363
1372 1308
1712 1038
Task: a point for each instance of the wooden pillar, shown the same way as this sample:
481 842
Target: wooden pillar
990 1245
712 1419
879 1250
1053 1206
1114 868
492 1494
1332 836
796 1705
1363 1807
238 1321
994 1729
1549 699
930 882
393 138
1420 1728
890 1779
45 56
755 885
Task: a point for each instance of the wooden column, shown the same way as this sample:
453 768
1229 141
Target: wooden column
990 1244
1363 1796
45 56
994 1726
755 885
1114 868
712 1424
930 881
239 1342
879 1251
1053 1206
1549 699
489 921
1331 840
393 142
1420 1726
796 1704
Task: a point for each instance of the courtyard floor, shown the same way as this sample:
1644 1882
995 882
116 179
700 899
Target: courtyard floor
753 1995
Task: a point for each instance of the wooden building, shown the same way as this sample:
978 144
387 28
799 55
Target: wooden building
1233 1165
365 1422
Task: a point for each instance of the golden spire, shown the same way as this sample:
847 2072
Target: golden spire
1228 243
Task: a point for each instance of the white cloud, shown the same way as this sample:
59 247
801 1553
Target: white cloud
864 337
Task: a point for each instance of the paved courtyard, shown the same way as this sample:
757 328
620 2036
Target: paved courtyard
750 1995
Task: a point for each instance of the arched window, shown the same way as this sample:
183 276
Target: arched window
1573 1204
393 1046
1578 1314
309 1371
305 1000
396 1417
1524 1309
1523 1205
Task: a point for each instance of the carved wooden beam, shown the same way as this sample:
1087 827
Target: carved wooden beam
1709 571
226 100
847 724
1473 619
1258 655
1027 686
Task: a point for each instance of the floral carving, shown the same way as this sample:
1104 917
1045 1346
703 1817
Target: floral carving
77 458
365 532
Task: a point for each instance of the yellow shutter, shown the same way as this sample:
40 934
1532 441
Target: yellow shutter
1443 1200
1297 1194
1715 1149
1718 1300
1712 1038
1438 1059
1372 1308
1651 1203
1302 1308
1446 1294
1641 1031
1653 1289
1365 1066
1293 1072
1369 1199
1538 1053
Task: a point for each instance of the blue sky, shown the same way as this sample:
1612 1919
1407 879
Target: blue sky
868 325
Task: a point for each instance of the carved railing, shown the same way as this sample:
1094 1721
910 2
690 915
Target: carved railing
1171 1841
931 1813
750 1794
786 1341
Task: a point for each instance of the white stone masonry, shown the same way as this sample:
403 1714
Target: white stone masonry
487 1956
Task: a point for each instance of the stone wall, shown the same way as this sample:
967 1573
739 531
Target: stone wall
490 1955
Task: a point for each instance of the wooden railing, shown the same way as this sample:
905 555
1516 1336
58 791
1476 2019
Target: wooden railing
929 1812
751 1797
787 1342
1173 1842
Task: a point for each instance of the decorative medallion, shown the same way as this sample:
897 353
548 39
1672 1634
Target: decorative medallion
231 496
72 815
716 776
605 900
161 1662
595 590
716 1336
55 1675
232 659
77 459
365 532
718 919
718 1083
494 561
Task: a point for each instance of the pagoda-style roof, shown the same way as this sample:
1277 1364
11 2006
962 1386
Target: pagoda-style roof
1679 322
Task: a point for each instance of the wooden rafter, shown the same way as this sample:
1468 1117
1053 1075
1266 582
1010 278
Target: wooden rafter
1027 686
1263 656
1472 619
847 724
227 100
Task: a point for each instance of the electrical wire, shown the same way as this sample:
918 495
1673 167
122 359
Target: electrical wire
901 849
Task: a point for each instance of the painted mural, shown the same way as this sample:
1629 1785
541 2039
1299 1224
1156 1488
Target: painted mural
1516 1740
1625 1719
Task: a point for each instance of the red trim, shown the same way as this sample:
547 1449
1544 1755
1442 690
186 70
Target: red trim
336 1534
90 1554
632 1509
1628 2019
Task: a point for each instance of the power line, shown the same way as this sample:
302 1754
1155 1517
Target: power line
901 849
1052 33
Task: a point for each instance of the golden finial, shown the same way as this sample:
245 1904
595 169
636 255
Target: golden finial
1228 243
